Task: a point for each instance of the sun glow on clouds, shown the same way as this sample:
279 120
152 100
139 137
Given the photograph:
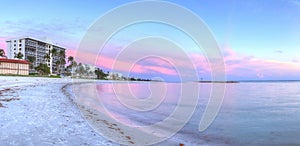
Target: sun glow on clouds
238 66
258 29
3 42
242 66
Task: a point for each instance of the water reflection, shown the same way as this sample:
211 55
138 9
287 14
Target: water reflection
252 113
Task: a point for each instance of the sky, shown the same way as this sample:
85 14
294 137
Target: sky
259 40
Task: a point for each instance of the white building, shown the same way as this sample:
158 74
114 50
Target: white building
34 50
115 76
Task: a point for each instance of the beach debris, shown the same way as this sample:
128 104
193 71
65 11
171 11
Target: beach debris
128 137
9 99
4 90
1 105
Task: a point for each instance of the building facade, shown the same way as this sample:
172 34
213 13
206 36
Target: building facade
15 67
38 51
115 76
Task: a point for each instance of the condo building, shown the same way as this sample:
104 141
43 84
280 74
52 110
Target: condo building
37 51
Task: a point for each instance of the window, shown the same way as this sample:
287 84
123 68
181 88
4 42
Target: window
20 45
15 45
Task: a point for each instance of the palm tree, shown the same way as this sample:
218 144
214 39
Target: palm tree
19 56
2 53
53 52
62 54
70 59
31 59
61 60
47 57
43 69
72 64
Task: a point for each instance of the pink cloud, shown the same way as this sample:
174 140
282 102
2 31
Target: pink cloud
3 42
70 52
109 63
240 65
153 69
236 65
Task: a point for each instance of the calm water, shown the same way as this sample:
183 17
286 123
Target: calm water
252 113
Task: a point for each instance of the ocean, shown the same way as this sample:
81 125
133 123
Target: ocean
252 113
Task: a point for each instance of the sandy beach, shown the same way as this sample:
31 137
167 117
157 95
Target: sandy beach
35 111
44 111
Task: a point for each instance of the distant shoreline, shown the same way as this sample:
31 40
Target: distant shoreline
207 81
269 81
217 81
250 81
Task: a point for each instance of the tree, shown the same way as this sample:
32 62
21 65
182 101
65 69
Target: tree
100 74
19 56
80 69
71 62
71 66
86 69
53 52
47 57
43 69
2 53
31 59
70 59
61 60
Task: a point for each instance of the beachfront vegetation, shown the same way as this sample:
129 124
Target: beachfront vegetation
2 53
100 74
47 57
79 70
72 69
31 59
61 61
19 55
43 69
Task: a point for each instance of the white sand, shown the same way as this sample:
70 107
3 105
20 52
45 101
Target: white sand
44 111
36 112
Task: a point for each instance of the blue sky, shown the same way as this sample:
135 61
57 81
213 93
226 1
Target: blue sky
259 39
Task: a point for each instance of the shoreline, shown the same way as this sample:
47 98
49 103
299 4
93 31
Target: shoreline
44 111
39 110
98 119
102 122
42 115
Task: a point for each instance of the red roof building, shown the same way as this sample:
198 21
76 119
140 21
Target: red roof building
14 67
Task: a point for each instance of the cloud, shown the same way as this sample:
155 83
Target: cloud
279 51
248 66
64 32
3 43
237 66
120 65
296 60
